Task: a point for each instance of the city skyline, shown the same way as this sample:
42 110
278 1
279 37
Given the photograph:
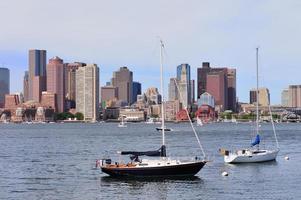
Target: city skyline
216 35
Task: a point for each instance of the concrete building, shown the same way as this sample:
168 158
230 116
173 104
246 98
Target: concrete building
56 82
229 100
206 99
294 92
4 85
26 86
11 101
263 96
37 74
130 114
171 109
123 81
87 91
217 87
108 93
192 91
153 96
183 76
231 78
49 100
136 91
173 90
285 98
70 81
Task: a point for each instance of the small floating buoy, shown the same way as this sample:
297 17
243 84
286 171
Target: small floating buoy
286 158
225 174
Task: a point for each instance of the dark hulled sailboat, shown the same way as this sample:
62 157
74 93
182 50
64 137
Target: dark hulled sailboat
162 166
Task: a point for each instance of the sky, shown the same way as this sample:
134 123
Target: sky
115 33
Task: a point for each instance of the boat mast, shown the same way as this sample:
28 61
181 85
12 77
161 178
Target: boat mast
257 95
162 94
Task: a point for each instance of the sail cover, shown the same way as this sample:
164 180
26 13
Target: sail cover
256 141
159 152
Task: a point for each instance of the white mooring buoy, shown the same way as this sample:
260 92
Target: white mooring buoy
225 174
286 158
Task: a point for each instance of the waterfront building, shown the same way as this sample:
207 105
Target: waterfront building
153 96
109 94
26 86
263 96
70 81
133 115
49 100
285 98
206 113
11 101
171 109
37 74
183 76
4 85
87 91
55 82
123 81
206 99
228 85
173 90
294 92
217 87
231 79
136 91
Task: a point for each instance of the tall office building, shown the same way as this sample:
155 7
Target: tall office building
231 78
4 85
192 91
55 81
37 74
70 79
216 85
173 90
294 92
26 86
228 83
183 76
123 81
87 91
285 98
263 96
136 91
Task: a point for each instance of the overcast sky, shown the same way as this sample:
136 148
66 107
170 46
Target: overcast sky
125 33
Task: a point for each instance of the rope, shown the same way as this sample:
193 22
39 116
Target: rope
191 124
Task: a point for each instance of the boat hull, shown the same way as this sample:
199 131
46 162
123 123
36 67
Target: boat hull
254 158
173 170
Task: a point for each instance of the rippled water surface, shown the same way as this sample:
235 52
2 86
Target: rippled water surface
56 161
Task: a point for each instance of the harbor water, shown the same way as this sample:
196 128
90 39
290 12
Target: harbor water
57 161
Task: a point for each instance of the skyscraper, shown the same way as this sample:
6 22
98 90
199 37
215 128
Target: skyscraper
87 91
173 90
294 92
136 90
4 85
231 78
263 96
216 85
26 86
55 81
123 81
37 74
70 80
229 84
285 97
183 76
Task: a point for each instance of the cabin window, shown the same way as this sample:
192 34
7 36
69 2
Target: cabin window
143 164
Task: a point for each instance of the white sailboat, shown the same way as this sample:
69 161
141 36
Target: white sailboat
122 124
199 121
160 167
255 153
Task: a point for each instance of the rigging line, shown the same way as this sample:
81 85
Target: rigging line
196 135
273 125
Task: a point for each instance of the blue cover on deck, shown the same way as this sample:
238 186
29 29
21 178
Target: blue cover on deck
256 141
